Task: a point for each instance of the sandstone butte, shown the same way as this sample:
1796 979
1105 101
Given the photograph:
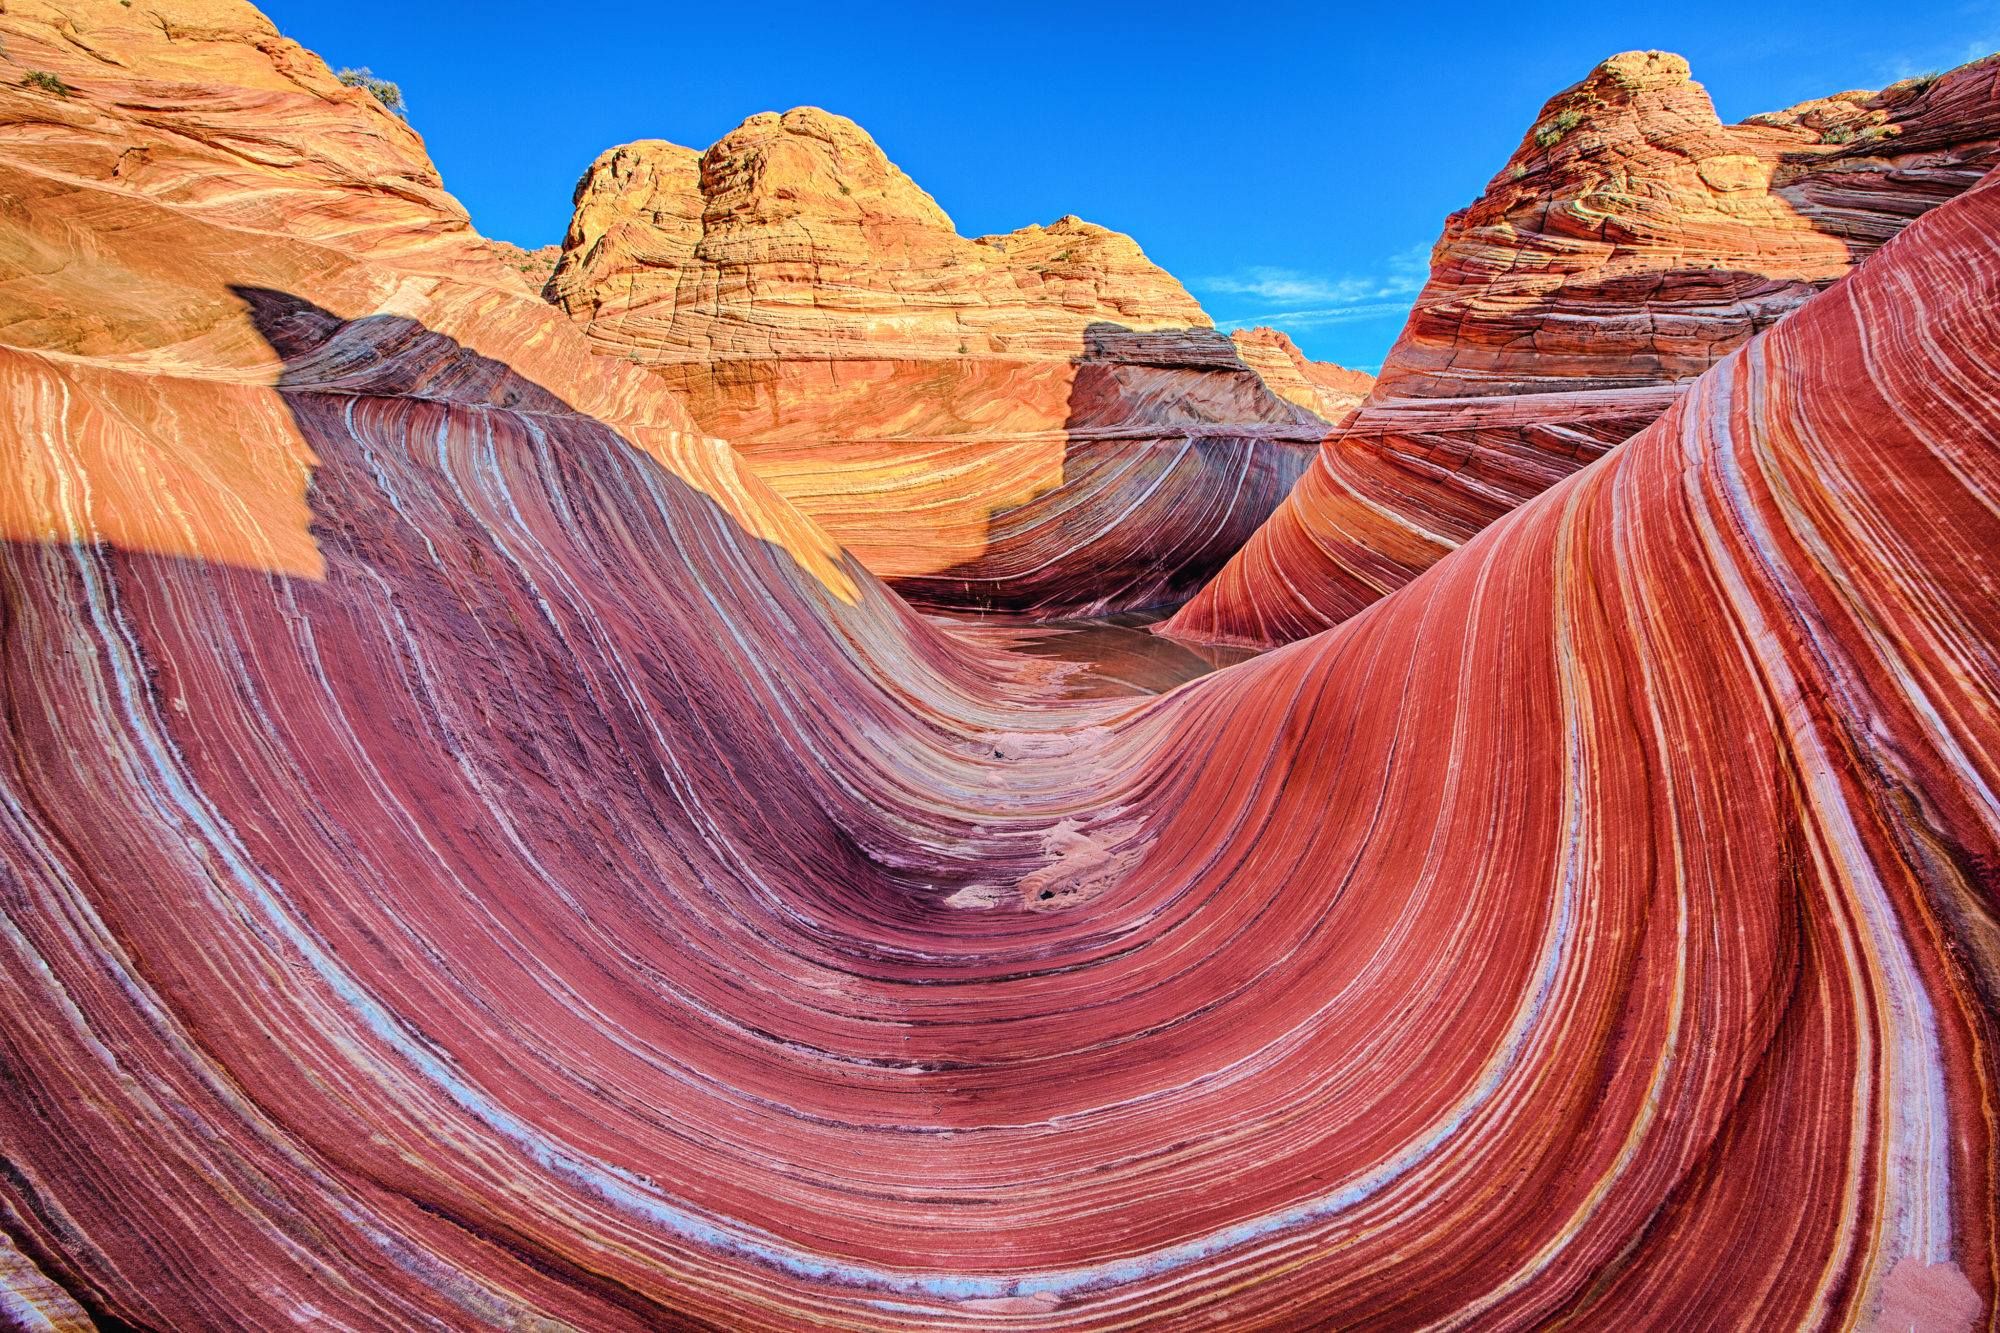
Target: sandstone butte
472 857
1632 241
1039 422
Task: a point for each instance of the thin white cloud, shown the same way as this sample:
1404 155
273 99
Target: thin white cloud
1286 285
1411 267
1314 318
1909 67
1294 299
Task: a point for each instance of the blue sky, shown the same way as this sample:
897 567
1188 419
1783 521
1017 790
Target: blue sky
1290 163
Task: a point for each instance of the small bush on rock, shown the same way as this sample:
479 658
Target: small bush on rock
1551 134
47 82
387 93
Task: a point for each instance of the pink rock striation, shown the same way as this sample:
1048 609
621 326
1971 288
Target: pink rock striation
1331 392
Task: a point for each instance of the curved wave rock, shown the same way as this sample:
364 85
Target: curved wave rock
525 877
1043 422
1631 242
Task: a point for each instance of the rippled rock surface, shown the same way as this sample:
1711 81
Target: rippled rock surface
1631 242
471 856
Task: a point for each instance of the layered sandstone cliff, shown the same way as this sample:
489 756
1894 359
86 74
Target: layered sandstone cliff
1042 421
471 857
1630 242
536 266
1329 391
795 238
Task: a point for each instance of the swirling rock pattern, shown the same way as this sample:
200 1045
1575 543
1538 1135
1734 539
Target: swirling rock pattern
1040 422
580 898
1630 242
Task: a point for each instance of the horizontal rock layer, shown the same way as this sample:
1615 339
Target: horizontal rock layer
528 879
1038 422
1631 241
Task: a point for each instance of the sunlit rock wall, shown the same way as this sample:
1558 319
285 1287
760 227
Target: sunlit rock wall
1039 422
1631 242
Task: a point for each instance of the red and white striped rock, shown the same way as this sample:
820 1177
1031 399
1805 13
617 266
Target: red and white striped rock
574 899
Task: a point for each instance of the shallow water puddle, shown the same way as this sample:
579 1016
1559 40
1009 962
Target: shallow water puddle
1119 654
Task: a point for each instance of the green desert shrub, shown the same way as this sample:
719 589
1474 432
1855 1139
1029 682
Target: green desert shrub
46 82
387 93
1551 134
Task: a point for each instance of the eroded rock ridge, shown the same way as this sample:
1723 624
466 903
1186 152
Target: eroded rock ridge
1042 421
1631 242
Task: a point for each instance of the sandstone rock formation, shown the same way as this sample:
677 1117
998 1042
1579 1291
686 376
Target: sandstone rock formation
1631 242
195 152
1042 421
1321 387
795 238
471 857
537 265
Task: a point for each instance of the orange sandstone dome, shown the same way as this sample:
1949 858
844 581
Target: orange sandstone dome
472 856
795 237
1042 421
